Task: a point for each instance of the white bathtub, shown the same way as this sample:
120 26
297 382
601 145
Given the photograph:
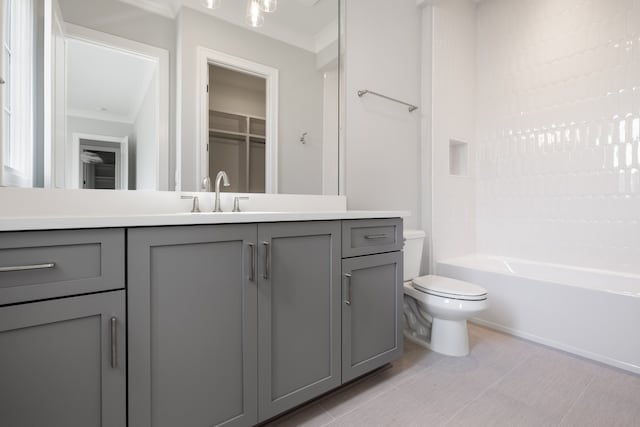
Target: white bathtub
592 313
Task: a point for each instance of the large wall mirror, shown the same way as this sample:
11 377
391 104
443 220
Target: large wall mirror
159 94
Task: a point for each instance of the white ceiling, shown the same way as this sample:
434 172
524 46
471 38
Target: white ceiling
302 23
104 83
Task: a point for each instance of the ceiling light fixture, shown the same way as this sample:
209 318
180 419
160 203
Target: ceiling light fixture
212 4
268 5
255 18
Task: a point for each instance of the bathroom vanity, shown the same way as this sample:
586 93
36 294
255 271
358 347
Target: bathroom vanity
227 321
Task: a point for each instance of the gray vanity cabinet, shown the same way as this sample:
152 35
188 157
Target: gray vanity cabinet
371 296
298 313
193 328
63 362
231 324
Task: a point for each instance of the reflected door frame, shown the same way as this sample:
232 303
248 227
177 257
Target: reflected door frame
122 170
208 57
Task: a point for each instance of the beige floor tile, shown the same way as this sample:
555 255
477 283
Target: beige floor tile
449 385
496 410
312 415
549 382
610 400
419 355
349 398
413 361
393 408
505 381
498 350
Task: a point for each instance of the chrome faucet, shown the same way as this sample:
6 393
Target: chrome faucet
222 176
206 184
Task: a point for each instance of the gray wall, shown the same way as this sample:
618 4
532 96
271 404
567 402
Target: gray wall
123 20
300 87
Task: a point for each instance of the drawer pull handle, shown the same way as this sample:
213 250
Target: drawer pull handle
27 267
348 288
114 342
267 261
252 249
375 236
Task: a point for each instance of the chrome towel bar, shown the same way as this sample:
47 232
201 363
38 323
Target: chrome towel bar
363 92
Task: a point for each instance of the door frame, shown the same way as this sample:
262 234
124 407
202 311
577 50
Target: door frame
122 170
205 57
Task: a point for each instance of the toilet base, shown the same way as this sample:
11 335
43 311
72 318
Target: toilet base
450 337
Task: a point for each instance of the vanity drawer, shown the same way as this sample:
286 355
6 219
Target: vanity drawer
371 236
37 265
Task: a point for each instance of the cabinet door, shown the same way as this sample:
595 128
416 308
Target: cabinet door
298 313
192 328
371 310
56 363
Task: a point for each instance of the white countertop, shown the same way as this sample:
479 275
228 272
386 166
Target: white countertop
145 220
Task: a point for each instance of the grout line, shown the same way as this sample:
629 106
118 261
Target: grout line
483 392
393 387
359 406
584 390
330 416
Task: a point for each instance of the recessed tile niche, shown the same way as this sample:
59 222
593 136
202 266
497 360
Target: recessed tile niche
458 164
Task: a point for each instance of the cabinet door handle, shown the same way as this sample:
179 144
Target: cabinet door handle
252 250
27 267
265 273
375 236
114 342
348 288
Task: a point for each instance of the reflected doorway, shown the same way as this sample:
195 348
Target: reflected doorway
238 103
102 161
237 128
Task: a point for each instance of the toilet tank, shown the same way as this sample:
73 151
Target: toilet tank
413 243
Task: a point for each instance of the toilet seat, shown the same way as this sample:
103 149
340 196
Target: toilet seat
449 288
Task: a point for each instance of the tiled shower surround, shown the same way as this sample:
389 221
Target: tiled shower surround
558 131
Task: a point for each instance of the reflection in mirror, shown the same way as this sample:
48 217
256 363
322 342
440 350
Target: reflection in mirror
237 139
159 94
110 97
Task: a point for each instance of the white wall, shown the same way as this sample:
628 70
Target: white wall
300 87
559 131
382 153
146 136
453 117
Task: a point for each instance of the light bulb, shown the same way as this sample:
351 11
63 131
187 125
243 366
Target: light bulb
212 4
268 5
255 18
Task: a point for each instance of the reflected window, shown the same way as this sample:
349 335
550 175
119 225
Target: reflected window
18 55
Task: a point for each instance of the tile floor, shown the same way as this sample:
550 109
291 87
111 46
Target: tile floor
505 381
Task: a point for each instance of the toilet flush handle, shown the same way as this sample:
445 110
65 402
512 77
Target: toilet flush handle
348 288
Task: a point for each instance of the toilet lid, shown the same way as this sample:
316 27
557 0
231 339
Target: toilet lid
449 288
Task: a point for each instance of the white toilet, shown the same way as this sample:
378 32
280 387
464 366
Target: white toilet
436 308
